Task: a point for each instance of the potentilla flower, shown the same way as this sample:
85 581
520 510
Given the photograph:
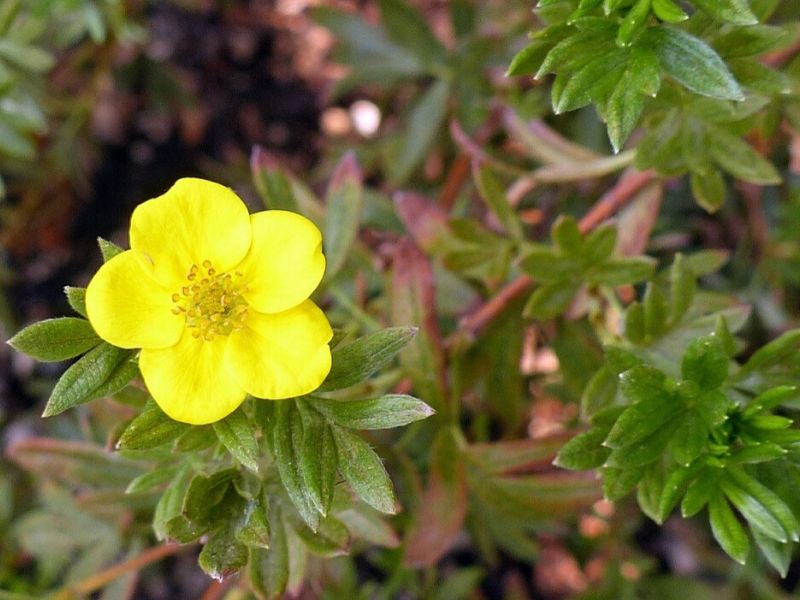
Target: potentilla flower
217 299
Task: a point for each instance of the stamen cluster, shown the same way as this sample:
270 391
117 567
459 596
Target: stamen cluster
212 302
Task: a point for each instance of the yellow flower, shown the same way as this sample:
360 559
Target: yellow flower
217 299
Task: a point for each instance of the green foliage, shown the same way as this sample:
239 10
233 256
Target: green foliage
695 437
574 261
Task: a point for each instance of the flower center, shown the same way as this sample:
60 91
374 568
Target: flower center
212 302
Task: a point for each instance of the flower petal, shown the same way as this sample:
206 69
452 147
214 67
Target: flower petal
194 221
281 355
190 381
285 263
128 308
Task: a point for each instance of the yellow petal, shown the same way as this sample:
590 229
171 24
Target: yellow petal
281 355
190 381
194 221
285 263
128 308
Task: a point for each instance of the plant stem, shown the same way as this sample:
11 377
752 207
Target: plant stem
100 580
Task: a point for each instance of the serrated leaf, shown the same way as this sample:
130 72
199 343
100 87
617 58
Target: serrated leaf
344 201
87 379
692 62
386 412
732 11
727 530
150 429
54 340
287 441
364 471
355 362
584 451
76 298
237 434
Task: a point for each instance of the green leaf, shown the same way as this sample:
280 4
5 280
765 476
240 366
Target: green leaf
268 570
76 297
108 249
583 452
386 412
705 362
407 28
287 441
668 11
733 11
645 449
753 511
708 188
170 504
332 538
147 481
617 483
738 158
355 362
271 183
24 56
528 60
692 62
674 486
100 372
546 265
317 458
642 419
765 497
237 434
682 288
641 383
633 22
566 236
150 429
727 530
656 311
550 299
343 215
690 439
255 533
773 353
599 393
424 122
770 399
751 41
698 494
779 555
623 271
222 554
495 197
364 471
634 328
207 498
55 339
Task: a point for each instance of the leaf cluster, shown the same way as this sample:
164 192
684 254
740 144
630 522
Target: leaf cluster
705 436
